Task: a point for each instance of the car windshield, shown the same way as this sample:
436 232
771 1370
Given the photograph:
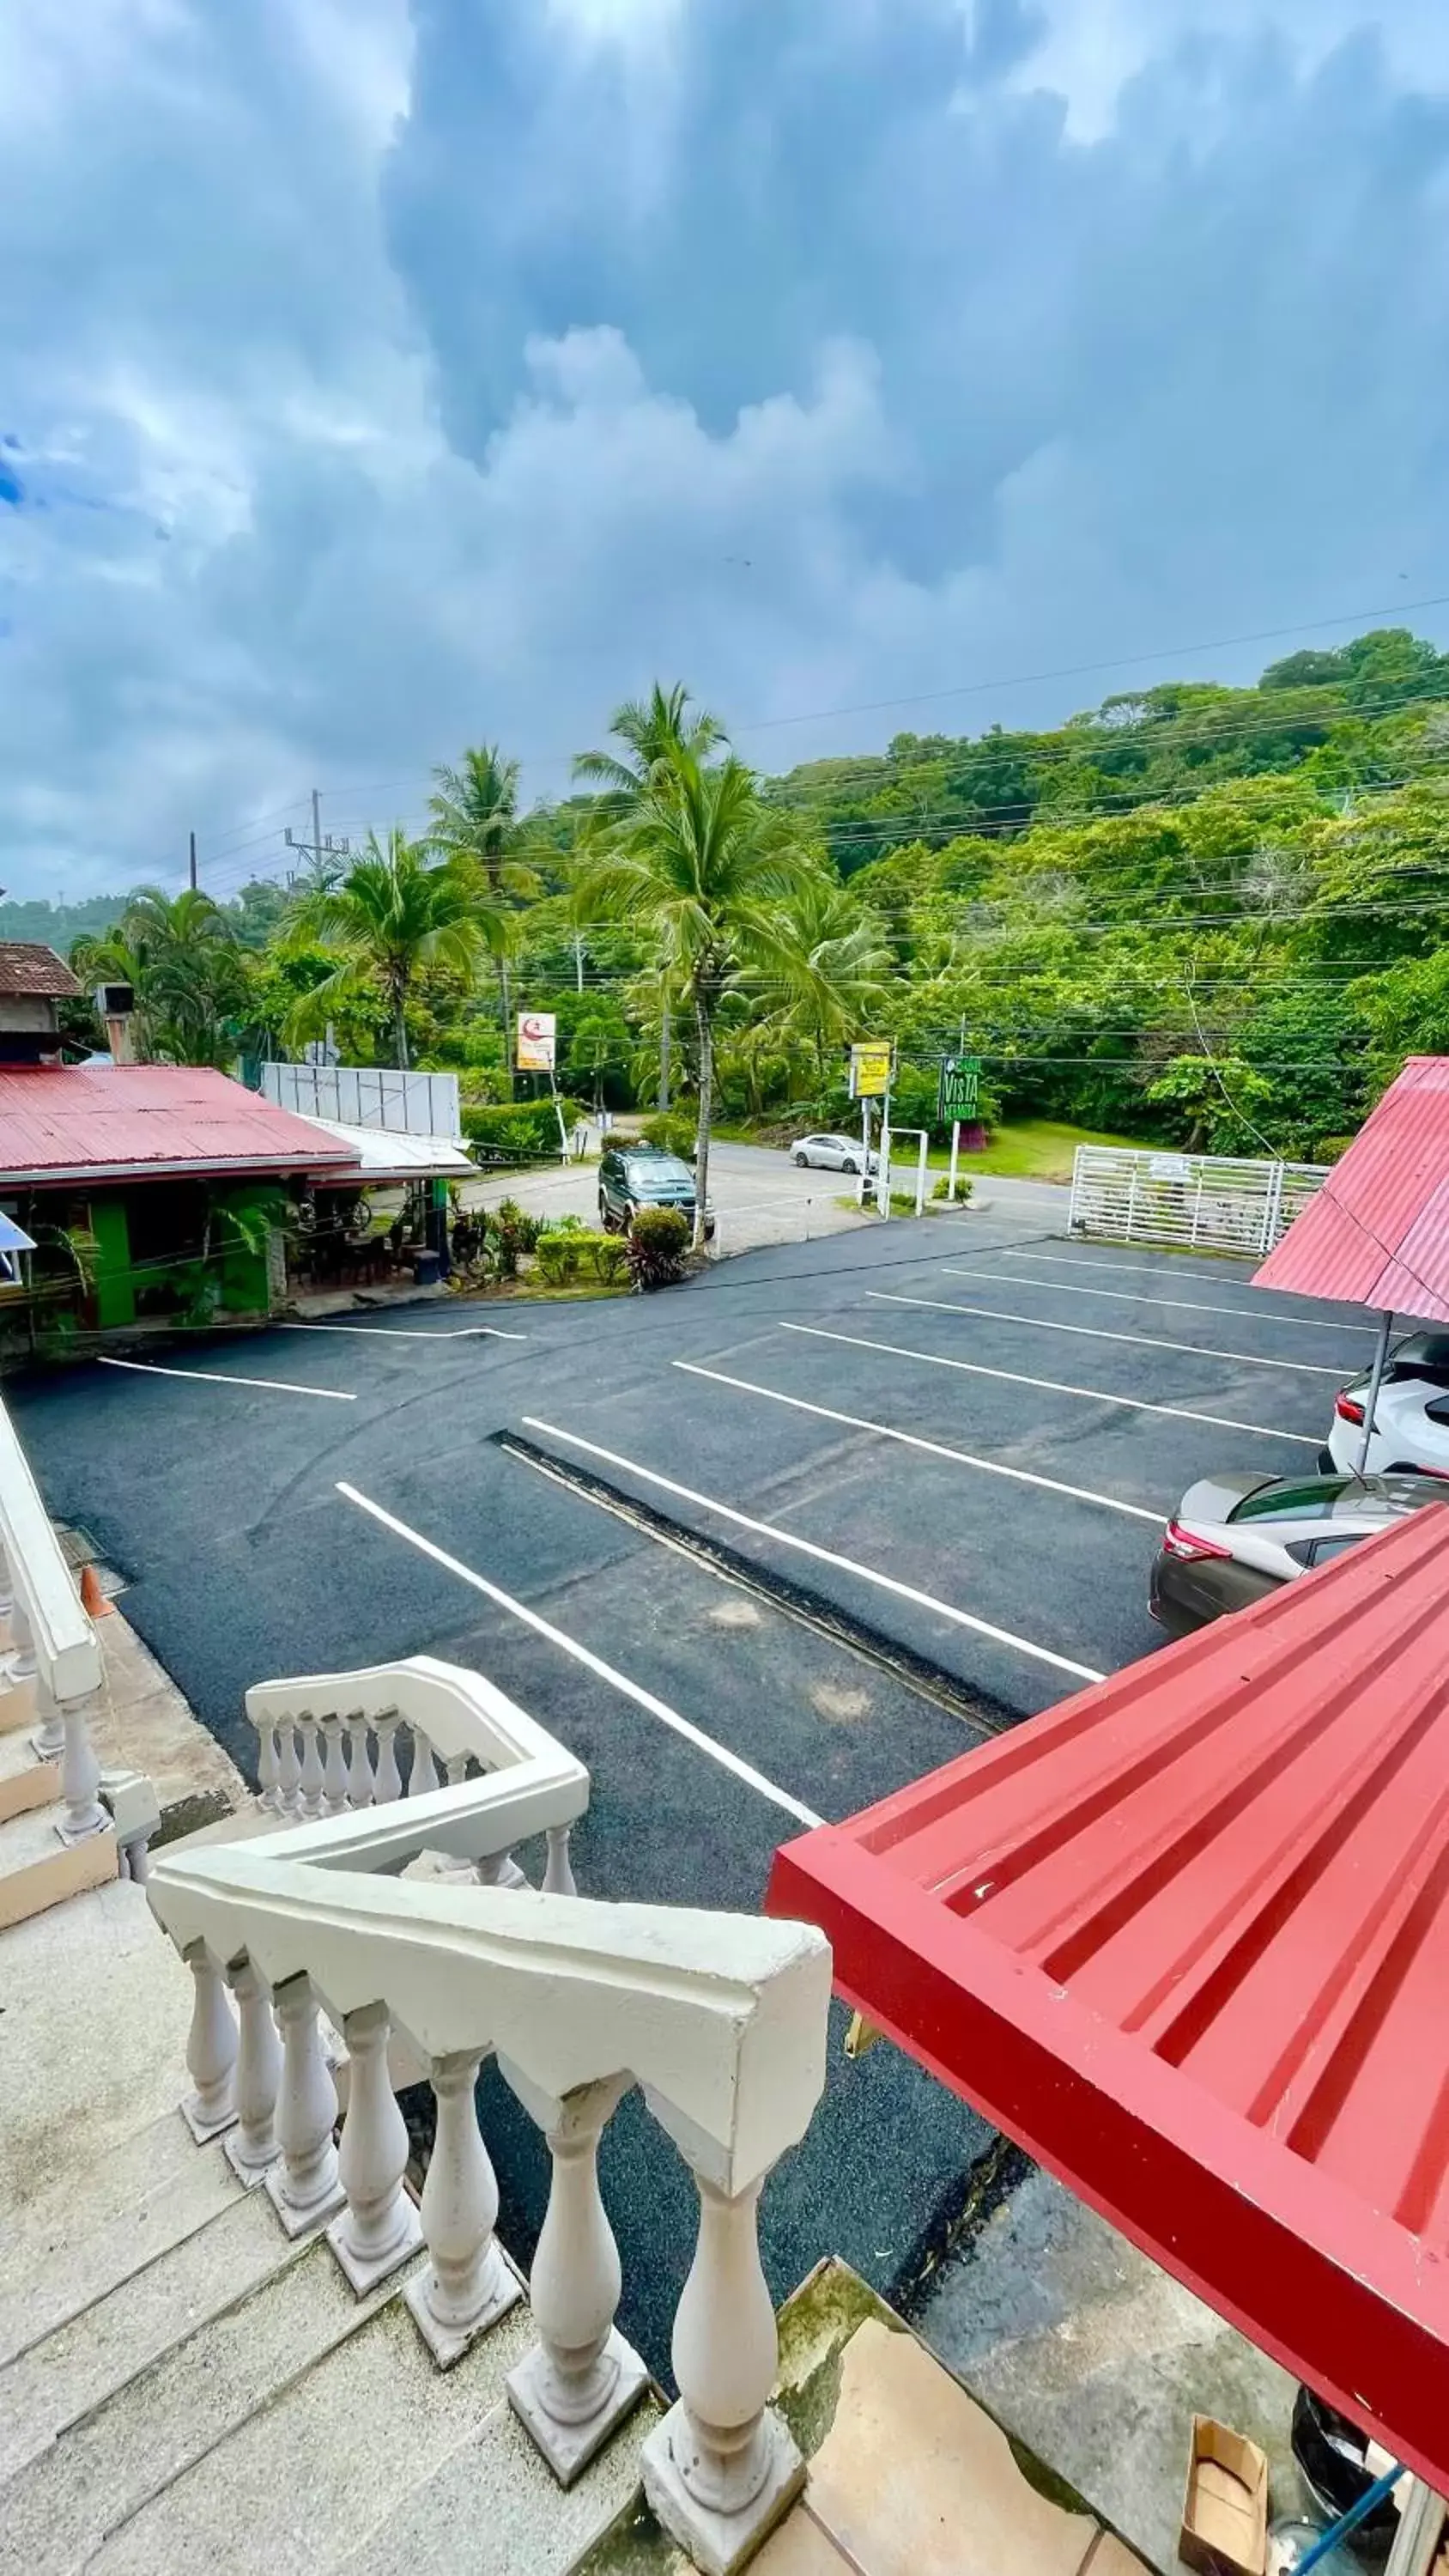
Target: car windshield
1313 1502
659 1171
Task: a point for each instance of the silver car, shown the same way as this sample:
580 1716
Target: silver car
1233 1539
833 1154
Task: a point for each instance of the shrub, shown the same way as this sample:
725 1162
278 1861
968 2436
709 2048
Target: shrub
610 1259
524 1129
658 1247
558 1258
676 1134
510 1218
964 1187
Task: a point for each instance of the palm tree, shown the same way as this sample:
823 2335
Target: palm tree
181 956
710 870
394 912
842 983
474 810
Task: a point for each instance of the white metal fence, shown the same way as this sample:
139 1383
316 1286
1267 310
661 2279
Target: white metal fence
404 1104
1207 1199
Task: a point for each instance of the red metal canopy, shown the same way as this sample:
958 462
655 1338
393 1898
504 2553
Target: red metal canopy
1377 1233
1186 1938
89 1123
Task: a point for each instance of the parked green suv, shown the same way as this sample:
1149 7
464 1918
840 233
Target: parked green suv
635 1175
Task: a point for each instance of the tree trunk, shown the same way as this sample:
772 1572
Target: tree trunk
704 1025
400 1025
505 1021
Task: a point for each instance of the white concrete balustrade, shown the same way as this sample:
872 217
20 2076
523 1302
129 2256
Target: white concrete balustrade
53 1642
719 2019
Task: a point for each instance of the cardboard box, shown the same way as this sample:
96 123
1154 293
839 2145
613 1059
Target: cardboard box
1225 2509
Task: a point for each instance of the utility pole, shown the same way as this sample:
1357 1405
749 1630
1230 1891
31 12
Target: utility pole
664 1037
318 850
193 863
579 959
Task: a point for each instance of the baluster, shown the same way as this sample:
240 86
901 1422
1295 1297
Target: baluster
380 2225
7 1588
465 2286
499 1869
304 2186
211 2048
359 1766
309 1779
22 1643
423 1778
268 1792
456 1769
48 1741
722 2468
252 2145
581 2378
289 1771
334 1768
558 1876
80 1773
388 1777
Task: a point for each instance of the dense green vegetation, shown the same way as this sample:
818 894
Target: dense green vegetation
1210 916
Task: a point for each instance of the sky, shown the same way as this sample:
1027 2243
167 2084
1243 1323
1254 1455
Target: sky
380 378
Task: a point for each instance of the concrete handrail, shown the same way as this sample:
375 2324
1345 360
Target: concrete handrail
67 1652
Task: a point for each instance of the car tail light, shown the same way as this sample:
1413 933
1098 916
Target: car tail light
1348 1408
1189 1545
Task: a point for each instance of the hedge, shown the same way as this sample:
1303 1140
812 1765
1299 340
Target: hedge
525 1129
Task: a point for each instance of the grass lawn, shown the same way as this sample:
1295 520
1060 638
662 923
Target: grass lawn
1032 1149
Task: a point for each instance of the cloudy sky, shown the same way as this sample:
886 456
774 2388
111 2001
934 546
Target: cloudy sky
381 377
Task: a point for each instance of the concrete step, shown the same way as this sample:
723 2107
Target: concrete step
150 2194
157 2306
25 1782
38 1870
307 2478
112 2461
495 2508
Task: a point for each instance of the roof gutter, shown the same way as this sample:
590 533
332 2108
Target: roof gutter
63 1175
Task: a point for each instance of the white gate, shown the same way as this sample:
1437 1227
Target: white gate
405 1104
1206 1199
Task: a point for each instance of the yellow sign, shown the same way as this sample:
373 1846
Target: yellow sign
870 1071
537 1034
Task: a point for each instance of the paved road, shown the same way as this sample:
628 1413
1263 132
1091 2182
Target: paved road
961 1435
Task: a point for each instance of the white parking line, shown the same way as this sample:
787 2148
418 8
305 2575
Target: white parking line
410 1333
1052 1385
215 1377
1154 1270
1100 1333
595 1664
823 1555
913 1440
1141 1297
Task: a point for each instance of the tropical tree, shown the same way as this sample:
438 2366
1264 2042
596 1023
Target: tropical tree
180 955
839 986
698 859
396 911
474 817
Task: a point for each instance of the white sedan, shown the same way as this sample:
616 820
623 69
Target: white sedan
1411 1417
833 1154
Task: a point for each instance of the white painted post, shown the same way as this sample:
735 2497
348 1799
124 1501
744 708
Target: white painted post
388 1778
380 2226
48 1741
359 1769
252 2145
883 1176
211 2049
289 1771
80 1774
334 1767
466 2286
1421 2528
269 1795
581 2378
955 1160
558 1875
499 1869
721 2468
921 1174
304 2186
309 1780
423 1777
22 1643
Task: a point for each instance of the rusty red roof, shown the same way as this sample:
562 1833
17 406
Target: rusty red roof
138 1121
1186 1938
28 967
1377 1234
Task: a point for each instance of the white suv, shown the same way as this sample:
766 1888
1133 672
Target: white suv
1411 1417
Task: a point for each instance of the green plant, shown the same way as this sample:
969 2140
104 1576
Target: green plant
509 1218
562 1225
558 1258
610 1260
658 1246
671 1132
527 1129
942 1188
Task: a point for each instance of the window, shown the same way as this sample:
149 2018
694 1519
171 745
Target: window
1313 1502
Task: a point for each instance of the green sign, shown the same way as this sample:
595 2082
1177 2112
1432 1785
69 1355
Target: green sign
959 1091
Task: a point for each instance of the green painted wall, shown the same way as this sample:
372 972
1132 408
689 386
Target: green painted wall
115 1292
243 1270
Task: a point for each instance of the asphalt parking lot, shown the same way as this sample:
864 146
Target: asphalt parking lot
758 1550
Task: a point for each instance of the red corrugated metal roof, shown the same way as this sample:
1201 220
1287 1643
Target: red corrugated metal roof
87 1122
1377 1234
1186 1938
